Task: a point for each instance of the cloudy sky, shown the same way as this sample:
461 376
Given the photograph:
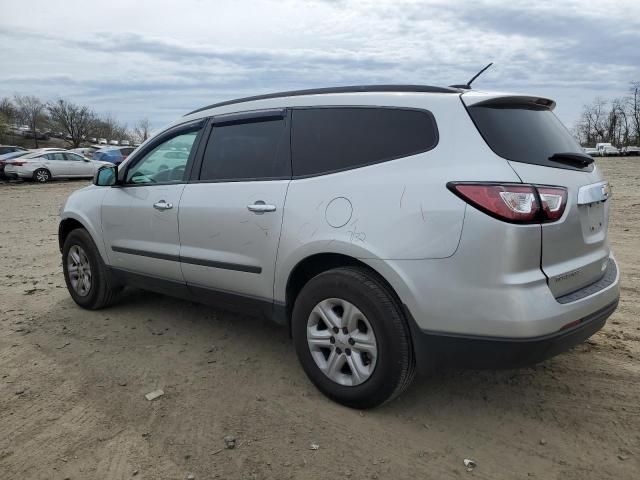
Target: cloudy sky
160 59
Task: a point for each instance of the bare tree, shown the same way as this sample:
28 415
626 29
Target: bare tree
142 130
30 110
7 110
75 120
633 111
109 128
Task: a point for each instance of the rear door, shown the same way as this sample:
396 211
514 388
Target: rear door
524 130
57 164
231 212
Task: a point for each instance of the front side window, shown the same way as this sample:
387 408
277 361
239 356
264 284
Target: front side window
73 157
330 139
55 156
247 151
165 163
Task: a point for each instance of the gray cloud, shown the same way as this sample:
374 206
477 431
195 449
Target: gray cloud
161 60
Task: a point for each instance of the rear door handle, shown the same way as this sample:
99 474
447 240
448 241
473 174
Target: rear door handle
162 205
260 207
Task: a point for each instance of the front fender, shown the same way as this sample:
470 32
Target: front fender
85 207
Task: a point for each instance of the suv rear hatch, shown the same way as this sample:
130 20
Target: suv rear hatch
526 132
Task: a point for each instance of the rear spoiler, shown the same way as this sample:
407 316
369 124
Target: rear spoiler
512 100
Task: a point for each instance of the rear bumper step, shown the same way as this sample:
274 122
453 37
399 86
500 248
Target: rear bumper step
610 274
451 350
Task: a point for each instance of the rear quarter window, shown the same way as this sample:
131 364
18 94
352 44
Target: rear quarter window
330 139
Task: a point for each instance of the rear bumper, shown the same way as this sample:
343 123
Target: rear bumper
453 350
16 172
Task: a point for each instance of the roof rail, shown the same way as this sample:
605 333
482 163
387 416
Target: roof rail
348 89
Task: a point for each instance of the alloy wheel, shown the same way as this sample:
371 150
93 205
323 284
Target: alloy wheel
42 176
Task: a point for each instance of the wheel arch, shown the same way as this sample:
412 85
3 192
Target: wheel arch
72 222
314 264
40 167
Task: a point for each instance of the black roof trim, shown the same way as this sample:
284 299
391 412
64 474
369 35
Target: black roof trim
349 89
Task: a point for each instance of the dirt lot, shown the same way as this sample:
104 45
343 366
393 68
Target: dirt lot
72 385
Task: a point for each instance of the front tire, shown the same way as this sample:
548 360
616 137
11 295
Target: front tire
352 339
85 273
42 175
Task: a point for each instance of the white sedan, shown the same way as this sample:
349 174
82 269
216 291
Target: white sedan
43 166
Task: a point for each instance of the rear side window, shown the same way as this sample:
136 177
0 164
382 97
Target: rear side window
524 133
247 151
331 139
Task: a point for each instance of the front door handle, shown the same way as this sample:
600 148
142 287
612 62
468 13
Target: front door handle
162 205
260 207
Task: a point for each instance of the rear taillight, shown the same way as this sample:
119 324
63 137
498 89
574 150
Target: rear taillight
514 202
553 201
18 164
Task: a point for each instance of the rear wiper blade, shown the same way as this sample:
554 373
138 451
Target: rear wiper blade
579 159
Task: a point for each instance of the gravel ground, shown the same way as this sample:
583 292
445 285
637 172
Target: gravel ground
73 385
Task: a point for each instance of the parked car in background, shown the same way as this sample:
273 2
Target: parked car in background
14 156
35 134
102 141
389 233
591 151
4 149
42 166
113 142
630 150
609 151
85 151
125 143
8 157
93 140
115 155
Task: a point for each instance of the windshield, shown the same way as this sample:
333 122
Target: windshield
524 133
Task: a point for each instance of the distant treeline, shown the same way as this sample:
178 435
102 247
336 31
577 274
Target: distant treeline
616 121
62 118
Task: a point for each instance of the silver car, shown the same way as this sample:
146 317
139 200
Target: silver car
390 229
47 164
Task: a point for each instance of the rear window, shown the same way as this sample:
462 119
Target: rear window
247 151
524 133
331 139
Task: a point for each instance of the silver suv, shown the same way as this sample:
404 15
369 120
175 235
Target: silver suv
390 228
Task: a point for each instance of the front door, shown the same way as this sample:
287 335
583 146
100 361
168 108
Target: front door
140 216
231 214
78 166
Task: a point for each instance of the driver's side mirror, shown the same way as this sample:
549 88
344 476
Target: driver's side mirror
106 176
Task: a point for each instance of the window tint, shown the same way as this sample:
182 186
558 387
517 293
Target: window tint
338 138
165 163
524 133
55 156
73 157
247 151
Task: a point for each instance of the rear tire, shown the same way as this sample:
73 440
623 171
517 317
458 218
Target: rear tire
42 175
85 273
358 375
